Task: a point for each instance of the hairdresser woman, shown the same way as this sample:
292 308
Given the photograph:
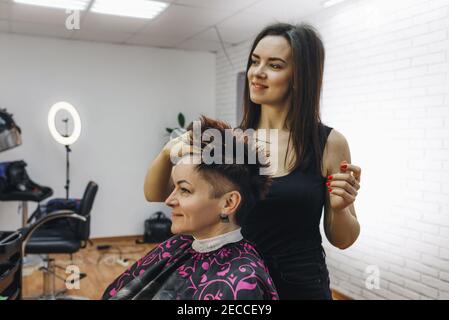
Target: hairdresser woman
314 170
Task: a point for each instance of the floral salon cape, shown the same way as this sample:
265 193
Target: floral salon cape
175 271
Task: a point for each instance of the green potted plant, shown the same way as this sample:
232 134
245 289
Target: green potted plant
177 131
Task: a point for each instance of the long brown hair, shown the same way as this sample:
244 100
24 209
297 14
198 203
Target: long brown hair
303 118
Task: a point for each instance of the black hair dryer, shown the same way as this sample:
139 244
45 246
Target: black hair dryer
10 133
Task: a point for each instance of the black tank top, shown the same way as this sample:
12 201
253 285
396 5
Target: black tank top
288 219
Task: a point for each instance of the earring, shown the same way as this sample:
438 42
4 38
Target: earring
224 218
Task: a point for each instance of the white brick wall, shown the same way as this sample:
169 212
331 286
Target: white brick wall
386 88
226 82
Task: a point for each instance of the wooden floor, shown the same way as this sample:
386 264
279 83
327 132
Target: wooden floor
100 266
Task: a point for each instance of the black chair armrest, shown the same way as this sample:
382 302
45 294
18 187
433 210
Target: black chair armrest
36 215
28 231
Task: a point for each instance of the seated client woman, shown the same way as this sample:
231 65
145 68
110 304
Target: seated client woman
207 258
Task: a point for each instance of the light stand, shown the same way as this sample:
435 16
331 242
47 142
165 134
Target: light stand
66 140
67 153
67 172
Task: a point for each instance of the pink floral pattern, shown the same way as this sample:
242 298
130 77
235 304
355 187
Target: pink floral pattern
233 272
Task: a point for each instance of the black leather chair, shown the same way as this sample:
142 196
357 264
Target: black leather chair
66 236
12 247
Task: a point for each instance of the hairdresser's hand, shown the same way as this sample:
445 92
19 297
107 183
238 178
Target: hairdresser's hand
343 186
179 146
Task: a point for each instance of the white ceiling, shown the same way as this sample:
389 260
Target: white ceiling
185 24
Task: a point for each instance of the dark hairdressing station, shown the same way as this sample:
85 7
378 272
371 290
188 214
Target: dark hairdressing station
59 226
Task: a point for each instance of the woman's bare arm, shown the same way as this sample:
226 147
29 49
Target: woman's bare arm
341 227
158 184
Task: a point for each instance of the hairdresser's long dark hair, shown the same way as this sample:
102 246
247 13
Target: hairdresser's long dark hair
303 118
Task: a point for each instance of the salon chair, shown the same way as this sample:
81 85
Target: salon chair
65 236
12 248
